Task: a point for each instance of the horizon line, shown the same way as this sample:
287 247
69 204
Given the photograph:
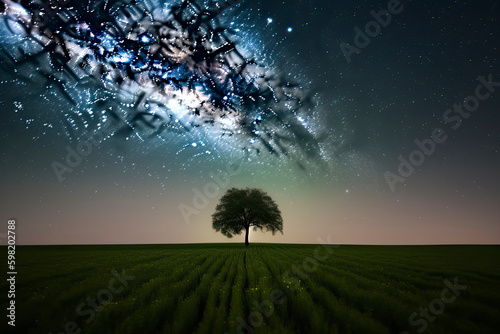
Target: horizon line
259 243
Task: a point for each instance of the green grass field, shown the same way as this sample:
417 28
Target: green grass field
214 288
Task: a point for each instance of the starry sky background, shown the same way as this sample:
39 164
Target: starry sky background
366 113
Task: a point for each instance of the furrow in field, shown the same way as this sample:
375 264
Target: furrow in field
150 306
345 318
397 295
276 312
238 308
218 297
221 323
68 269
300 311
358 290
259 289
402 267
407 281
297 281
190 309
77 289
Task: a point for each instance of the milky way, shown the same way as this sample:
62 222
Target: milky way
161 72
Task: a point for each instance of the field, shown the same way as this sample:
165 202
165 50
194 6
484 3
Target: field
265 288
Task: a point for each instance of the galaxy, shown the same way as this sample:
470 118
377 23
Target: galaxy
118 114
159 71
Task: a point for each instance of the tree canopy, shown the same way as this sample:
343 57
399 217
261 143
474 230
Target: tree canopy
241 209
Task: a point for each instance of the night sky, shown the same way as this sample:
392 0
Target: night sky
427 81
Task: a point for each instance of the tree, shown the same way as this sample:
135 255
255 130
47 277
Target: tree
240 209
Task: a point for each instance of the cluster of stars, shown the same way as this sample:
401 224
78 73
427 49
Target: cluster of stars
160 70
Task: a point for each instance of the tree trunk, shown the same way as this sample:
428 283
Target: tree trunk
246 236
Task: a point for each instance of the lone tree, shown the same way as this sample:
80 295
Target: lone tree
240 209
